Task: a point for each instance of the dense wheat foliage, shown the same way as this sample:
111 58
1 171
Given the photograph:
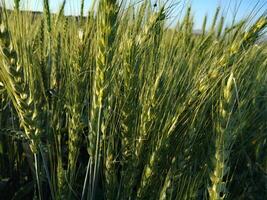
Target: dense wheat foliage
119 106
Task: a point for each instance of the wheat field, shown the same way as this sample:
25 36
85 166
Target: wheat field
114 104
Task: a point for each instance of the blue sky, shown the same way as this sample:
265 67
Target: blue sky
242 8
200 7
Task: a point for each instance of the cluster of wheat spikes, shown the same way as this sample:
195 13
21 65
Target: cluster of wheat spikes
116 104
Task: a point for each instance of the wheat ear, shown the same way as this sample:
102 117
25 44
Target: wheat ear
223 142
101 97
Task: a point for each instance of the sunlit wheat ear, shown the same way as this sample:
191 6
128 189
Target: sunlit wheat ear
250 36
224 138
13 77
147 102
254 32
102 95
55 72
106 21
152 32
47 15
